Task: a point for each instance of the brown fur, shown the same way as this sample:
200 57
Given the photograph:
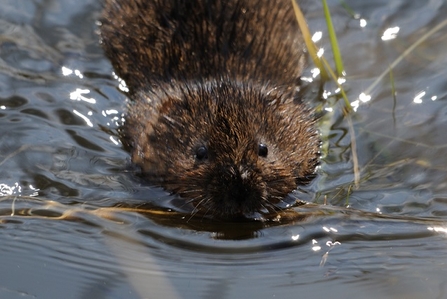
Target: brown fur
215 75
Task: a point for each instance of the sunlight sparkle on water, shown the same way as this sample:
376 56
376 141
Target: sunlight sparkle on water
315 72
315 246
331 244
78 95
109 112
418 98
116 142
16 189
307 79
295 237
6 190
330 229
317 36
320 52
362 98
67 72
341 80
79 74
390 33
85 118
326 94
363 23
122 84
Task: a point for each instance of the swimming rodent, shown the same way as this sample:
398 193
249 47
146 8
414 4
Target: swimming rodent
215 115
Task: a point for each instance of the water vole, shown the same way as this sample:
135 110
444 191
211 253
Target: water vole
215 116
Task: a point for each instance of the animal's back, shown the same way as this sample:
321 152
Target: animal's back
165 40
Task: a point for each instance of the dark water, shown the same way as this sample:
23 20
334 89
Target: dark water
69 225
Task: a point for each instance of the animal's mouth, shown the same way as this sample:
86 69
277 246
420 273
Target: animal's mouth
249 209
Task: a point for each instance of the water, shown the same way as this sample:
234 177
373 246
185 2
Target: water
75 222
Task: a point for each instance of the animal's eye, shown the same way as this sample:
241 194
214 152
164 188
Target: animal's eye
262 150
201 153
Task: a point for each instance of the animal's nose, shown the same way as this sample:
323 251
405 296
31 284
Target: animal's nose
240 184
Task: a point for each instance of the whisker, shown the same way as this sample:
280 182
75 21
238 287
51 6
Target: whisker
196 207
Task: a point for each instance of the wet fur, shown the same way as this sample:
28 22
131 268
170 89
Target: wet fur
218 74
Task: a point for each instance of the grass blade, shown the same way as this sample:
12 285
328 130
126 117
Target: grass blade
308 40
333 38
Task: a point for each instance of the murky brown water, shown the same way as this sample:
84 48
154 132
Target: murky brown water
69 227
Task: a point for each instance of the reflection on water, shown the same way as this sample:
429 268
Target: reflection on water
75 219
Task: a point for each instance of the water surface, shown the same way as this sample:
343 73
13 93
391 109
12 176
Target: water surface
76 222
